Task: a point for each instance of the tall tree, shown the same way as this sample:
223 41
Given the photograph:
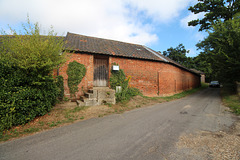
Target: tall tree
222 45
214 10
202 62
178 54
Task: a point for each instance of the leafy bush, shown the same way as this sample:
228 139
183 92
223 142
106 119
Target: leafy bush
126 94
27 60
76 71
30 50
118 78
23 95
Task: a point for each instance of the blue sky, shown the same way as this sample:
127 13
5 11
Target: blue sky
158 24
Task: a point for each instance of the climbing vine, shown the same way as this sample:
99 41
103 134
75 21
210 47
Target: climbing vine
76 71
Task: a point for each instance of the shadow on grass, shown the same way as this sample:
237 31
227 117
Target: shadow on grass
231 99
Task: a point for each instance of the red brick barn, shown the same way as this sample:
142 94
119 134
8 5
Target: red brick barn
150 72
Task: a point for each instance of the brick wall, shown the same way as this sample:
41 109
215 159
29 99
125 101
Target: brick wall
152 78
156 78
87 81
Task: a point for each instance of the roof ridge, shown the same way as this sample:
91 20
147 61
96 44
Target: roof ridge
155 53
105 39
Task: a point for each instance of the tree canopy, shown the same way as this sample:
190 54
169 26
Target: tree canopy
222 46
202 63
178 54
214 10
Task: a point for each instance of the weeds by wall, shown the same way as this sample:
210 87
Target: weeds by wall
118 78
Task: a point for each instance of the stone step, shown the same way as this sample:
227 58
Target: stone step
90 91
80 103
91 103
90 95
85 99
97 96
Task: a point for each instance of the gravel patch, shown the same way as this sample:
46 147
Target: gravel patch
221 145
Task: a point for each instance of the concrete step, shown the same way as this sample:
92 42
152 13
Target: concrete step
90 95
85 99
97 96
90 91
91 103
80 103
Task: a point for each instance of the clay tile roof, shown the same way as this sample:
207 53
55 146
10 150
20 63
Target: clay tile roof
80 43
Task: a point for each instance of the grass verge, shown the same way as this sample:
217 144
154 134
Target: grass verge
63 114
182 94
230 99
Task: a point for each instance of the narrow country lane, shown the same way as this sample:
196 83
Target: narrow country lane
145 133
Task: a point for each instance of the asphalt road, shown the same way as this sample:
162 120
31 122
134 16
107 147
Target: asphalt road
145 133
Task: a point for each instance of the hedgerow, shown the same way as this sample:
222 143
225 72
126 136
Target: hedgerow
24 95
59 82
27 60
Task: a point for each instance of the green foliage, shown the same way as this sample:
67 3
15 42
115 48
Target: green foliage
31 51
118 78
23 95
230 98
127 93
222 48
211 61
202 63
178 54
213 10
59 83
28 88
76 71
184 93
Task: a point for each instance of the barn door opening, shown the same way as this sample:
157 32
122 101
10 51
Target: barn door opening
100 72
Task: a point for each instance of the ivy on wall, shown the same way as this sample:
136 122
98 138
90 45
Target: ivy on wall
76 71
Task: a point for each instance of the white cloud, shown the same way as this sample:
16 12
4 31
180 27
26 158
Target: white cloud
161 10
190 17
103 18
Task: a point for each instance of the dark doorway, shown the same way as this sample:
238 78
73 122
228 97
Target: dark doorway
100 72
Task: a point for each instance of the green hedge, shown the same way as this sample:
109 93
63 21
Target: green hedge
59 82
24 94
